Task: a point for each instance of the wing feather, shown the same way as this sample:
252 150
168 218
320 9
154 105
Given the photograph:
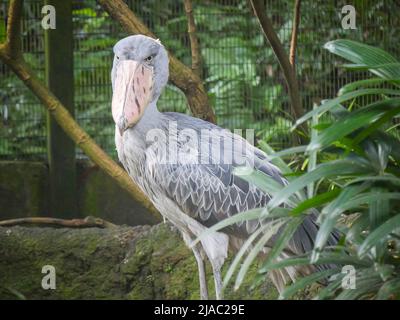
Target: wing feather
211 192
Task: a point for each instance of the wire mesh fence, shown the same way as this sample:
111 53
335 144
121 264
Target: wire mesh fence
240 72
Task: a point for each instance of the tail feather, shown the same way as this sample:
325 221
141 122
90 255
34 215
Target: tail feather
304 238
302 242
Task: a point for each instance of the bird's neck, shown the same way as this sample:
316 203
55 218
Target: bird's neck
151 112
150 119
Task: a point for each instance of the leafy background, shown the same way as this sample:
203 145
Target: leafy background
240 72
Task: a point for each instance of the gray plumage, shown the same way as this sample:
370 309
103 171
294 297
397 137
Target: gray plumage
191 193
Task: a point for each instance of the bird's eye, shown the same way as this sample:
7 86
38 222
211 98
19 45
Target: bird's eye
149 59
117 57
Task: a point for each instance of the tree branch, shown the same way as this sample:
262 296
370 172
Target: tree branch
194 41
295 30
88 222
12 45
180 75
288 72
60 113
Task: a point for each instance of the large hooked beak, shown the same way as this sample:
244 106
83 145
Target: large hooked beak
133 85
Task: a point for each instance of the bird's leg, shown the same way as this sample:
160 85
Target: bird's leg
216 248
216 267
200 266
202 273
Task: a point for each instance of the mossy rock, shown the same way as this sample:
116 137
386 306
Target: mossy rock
140 262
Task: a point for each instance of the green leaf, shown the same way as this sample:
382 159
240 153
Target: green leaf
360 53
366 284
258 213
329 104
355 233
239 217
391 289
363 83
362 67
238 256
380 233
324 170
269 231
289 151
386 118
281 242
385 271
304 282
312 155
325 258
338 111
16 293
275 160
261 180
379 211
355 120
264 182
365 198
295 261
330 214
316 201
384 178
391 141
330 290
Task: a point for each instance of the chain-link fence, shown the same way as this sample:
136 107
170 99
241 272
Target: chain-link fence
240 72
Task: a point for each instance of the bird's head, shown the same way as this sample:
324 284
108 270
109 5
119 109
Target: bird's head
139 74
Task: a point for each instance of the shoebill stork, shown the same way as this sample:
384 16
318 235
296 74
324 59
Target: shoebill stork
191 194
